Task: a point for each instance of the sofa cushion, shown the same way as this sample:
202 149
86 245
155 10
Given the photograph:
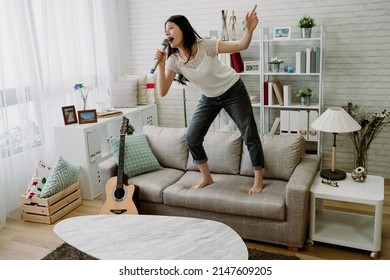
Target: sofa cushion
229 195
282 154
124 94
138 157
223 150
168 145
152 184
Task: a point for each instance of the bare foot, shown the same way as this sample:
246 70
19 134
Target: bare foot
256 188
258 184
203 183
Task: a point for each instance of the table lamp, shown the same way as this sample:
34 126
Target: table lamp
335 120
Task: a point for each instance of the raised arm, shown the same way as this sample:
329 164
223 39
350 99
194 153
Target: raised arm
165 76
251 21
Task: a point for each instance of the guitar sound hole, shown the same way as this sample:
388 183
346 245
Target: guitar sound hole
119 194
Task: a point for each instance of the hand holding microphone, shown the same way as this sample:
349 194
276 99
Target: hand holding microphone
163 47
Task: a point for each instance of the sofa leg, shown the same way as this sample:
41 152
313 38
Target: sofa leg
292 248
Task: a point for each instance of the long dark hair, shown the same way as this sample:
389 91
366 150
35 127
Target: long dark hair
189 38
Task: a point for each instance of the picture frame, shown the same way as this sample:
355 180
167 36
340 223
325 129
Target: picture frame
69 114
87 116
282 33
251 66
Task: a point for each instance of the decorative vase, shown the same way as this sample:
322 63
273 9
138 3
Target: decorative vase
305 100
361 158
359 174
85 103
306 32
274 67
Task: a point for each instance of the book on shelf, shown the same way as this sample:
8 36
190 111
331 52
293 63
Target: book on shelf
297 62
265 93
272 100
313 134
313 56
287 98
236 62
294 122
308 60
300 62
318 58
278 88
284 122
303 123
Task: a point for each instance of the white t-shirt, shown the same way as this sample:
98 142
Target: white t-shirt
206 72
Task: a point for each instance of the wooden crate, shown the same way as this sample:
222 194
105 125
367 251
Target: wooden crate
49 210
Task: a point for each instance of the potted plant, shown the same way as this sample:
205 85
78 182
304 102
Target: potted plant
305 94
306 23
275 63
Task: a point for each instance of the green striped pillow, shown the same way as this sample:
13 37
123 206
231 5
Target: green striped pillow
62 175
138 157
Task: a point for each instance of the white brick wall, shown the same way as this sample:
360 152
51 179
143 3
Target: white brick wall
356 56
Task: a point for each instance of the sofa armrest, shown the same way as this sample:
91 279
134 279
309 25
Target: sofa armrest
298 196
107 169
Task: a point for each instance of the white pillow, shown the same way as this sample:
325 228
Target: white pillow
38 180
142 97
124 93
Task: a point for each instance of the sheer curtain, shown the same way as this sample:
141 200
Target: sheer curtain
47 46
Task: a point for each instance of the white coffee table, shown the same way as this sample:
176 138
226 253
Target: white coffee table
149 237
344 228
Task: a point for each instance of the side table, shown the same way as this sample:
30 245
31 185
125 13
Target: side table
344 228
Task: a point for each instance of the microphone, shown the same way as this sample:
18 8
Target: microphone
163 47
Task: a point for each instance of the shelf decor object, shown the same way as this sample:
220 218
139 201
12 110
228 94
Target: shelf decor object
372 125
84 91
335 120
306 23
304 94
224 31
275 64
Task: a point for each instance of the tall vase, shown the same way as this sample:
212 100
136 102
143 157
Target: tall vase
306 32
85 103
361 158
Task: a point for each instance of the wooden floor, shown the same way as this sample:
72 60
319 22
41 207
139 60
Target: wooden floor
21 240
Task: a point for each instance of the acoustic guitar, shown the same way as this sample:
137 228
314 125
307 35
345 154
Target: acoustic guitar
119 197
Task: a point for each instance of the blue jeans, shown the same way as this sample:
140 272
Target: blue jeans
237 104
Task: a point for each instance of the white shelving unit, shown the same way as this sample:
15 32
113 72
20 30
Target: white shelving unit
286 49
86 144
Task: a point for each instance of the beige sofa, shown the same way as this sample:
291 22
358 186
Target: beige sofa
278 215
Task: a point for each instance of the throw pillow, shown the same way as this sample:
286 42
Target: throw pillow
223 150
142 97
63 175
168 141
38 180
282 154
138 156
124 93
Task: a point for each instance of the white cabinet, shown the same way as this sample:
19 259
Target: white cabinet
86 144
355 230
294 117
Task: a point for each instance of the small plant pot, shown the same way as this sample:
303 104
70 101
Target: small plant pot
305 100
274 67
306 32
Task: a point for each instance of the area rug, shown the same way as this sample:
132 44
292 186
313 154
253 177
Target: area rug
68 252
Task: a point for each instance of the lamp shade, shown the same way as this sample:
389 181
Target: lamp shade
335 120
